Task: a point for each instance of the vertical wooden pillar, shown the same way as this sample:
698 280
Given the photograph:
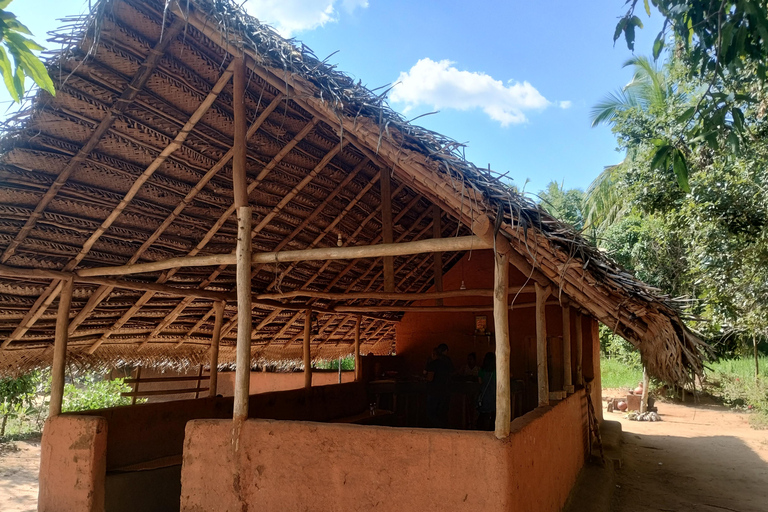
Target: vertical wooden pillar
437 232
136 385
243 252
541 344
358 359
644 398
567 374
501 325
199 380
579 350
386 227
307 351
60 348
213 383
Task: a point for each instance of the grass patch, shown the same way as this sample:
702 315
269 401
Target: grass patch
616 373
734 382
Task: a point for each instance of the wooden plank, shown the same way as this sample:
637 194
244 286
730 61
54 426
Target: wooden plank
541 344
60 349
307 349
501 325
215 341
567 375
386 226
480 292
136 384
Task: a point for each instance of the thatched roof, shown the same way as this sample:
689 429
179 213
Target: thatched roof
88 179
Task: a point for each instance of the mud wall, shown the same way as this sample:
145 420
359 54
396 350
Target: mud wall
72 464
320 467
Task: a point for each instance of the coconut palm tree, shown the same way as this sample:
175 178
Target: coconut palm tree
650 90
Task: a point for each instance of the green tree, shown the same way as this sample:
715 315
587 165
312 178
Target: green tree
16 396
22 62
565 205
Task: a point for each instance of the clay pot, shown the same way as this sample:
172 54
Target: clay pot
622 406
639 390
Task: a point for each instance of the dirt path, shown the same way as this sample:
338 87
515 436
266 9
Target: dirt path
700 458
19 463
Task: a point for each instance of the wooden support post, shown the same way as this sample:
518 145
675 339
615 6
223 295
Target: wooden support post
757 357
60 348
358 359
386 227
501 324
243 252
579 351
307 347
541 344
218 308
567 374
136 386
199 378
644 398
437 232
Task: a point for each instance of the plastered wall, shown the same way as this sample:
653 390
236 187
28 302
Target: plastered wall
73 464
334 467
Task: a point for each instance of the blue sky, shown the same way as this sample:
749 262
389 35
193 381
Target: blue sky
500 72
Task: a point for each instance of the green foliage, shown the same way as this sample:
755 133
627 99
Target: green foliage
90 393
733 380
723 48
16 398
24 63
565 205
347 364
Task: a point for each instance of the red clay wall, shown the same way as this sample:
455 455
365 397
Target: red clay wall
73 464
419 333
319 467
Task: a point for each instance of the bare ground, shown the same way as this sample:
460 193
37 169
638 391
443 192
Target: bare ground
702 457
19 466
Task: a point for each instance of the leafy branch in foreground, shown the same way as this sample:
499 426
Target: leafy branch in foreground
25 63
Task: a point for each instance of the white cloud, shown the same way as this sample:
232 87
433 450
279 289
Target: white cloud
441 85
566 104
291 16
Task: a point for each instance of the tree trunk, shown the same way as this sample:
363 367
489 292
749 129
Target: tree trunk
2 429
757 360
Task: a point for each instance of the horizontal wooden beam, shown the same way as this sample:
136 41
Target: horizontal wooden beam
431 309
485 292
34 273
167 379
461 243
164 392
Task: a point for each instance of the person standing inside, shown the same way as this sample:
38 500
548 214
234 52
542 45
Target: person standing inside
486 401
438 396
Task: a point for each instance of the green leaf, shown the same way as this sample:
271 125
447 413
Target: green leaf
619 28
686 115
738 118
659 161
7 72
5 3
733 142
30 63
681 170
647 7
658 45
636 21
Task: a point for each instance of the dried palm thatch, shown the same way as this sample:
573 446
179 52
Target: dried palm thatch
130 162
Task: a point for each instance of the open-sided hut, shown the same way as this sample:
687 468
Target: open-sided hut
202 191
